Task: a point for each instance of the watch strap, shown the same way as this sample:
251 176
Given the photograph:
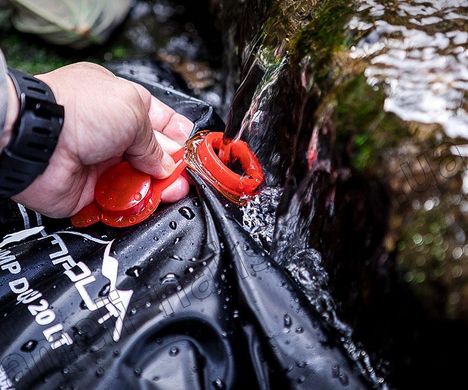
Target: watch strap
3 92
34 137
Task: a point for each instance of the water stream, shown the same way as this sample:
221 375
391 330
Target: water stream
340 100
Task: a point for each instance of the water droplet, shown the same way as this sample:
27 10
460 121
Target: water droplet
29 346
301 364
104 290
94 348
134 272
100 371
187 213
169 278
299 329
235 314
177 258
337 373
287 320
174 351
218 384
137 372
173 225
77 331
301 379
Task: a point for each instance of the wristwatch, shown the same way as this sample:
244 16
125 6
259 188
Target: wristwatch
34 137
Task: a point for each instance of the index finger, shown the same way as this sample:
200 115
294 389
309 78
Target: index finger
165 120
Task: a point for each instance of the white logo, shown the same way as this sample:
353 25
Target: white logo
5 383
117 301
20 236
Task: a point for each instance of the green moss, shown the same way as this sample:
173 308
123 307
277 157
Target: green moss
324 36
119 52
28 55
32 55
327 28
358 109
427 249
362 122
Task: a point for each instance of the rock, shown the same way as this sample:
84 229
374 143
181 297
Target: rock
358 110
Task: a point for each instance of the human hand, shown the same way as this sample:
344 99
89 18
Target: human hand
107 119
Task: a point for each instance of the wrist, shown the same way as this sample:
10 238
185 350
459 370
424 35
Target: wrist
12 114
33 125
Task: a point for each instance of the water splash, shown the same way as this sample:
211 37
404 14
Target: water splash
259 216
306 268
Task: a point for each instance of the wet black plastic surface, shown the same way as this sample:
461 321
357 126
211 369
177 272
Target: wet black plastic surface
170 89
185 300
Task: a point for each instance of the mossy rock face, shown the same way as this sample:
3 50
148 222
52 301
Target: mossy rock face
393 134
358 110
413 54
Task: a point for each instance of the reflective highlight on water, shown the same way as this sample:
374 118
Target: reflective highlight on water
418 50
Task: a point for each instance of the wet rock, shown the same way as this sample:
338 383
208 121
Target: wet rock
357 110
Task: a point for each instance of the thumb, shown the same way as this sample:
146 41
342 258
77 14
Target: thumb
146 155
